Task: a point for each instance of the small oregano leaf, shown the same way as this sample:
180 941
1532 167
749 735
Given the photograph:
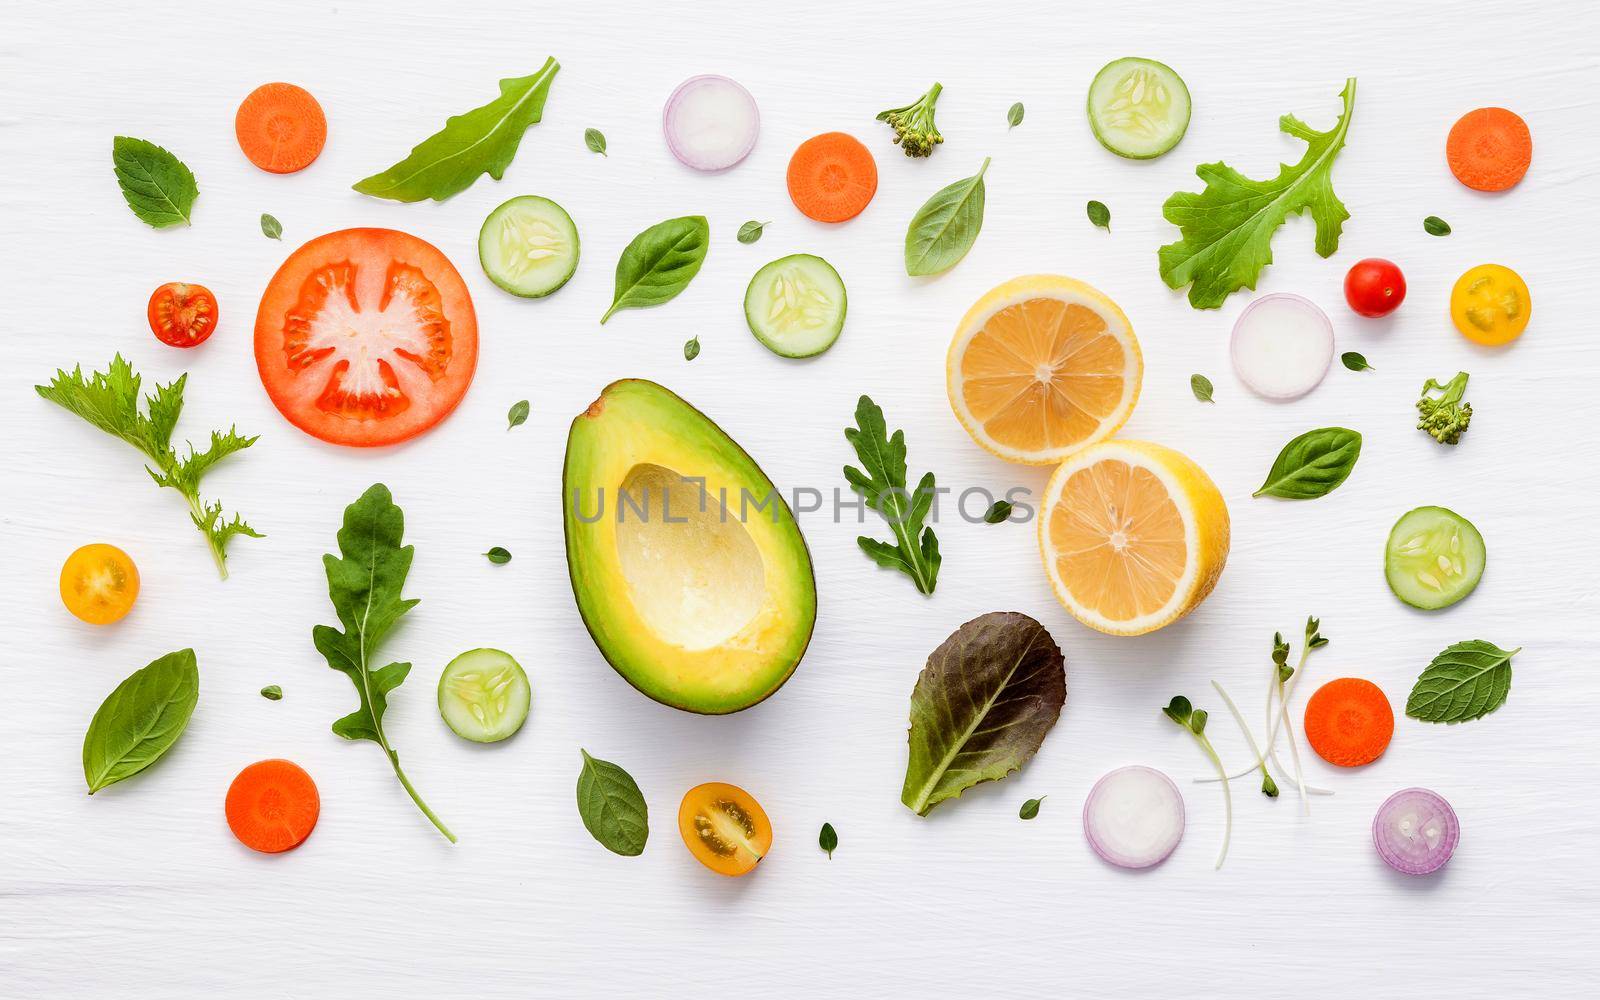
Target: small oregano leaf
691 349
1030 808
1014 116
1099 214
595 140
517 415
1355 362
271 228
498 556
752 230
1435 226
272 692
828 839
999 511
1201 387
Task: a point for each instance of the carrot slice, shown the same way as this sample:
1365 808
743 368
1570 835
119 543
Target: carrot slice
273 806
1349 722
832 177
280 127
1489 149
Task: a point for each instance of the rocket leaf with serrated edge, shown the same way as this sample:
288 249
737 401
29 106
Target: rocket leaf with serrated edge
883 487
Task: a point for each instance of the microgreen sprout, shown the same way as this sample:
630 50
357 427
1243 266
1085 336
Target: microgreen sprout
1179 710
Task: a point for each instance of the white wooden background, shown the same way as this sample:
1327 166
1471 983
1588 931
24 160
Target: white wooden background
141 891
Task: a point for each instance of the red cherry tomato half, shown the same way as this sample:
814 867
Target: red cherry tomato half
182 315
1374 287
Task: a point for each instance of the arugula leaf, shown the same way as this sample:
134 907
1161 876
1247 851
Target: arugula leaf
883 487
110 401
1227 228
155 184
612 808
141 719
484 140
1467 681
364 584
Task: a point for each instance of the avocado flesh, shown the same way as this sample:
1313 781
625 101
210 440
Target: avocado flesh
701 596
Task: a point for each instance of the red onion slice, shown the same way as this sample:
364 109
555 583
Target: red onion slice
1133 817
1415 831
710 122
1282 345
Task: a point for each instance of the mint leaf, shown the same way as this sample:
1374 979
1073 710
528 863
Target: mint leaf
1466 681
155 184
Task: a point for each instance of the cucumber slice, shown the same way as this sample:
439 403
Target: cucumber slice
1138 108
484 695
529 246
795 305
1434 558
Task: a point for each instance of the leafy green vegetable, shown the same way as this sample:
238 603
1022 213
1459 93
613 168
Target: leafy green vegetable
498 556
271 228
1201 387
1014 116
752 230
141 719
612 808
1030 808
595 140
998 511
914 128
518 414
883 487
691 349
1193 719
1313 464
1227 228
828 839
155 184
1467 681
1355 362
364 584
110 401
946 226
484 140
1099 214
660 263
272 692
1445 416
982 706
1435 226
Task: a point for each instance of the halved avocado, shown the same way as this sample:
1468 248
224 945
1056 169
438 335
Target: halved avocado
688 567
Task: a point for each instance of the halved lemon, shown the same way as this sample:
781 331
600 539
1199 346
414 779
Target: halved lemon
1041 366
1134 536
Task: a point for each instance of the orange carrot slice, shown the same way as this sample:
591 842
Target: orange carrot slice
832 177
1489 149
272 806
280 127
1349 722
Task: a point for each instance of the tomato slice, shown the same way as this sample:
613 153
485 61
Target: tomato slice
366 337
181 314
99 583
724 827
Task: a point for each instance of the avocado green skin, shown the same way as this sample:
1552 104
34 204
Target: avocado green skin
489 272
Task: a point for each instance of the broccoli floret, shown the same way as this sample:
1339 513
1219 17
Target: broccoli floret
913 124
1445 416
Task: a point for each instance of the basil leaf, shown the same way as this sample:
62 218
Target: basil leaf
595 140
1435 226
1201 387
517 415
946 226
982 706
751 231
1100 215
611 807
155 184
1014 116
1030 808
1355 362
999 511
271 228
272 692
1313 464
660 263
498 556
828 839
141 719
691 349
484 140
1467 681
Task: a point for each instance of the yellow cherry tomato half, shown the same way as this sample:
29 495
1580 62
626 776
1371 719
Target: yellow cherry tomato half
724 827
99 583
1491 305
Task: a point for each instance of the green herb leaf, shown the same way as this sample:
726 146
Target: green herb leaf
1030 808
518 414
1435 226
141 719
595 140
1014 116
691 349
498 556
752 230
1178 710
1467 681
946 226
1100 215
484 140
982 706
828 839
1313 464
883 487
155 184
364 584
1201 387
660 263
1355 362
271 228
272 692
1227 228
612 808
999 511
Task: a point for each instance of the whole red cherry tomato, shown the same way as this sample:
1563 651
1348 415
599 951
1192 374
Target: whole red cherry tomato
182 315
1374 287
